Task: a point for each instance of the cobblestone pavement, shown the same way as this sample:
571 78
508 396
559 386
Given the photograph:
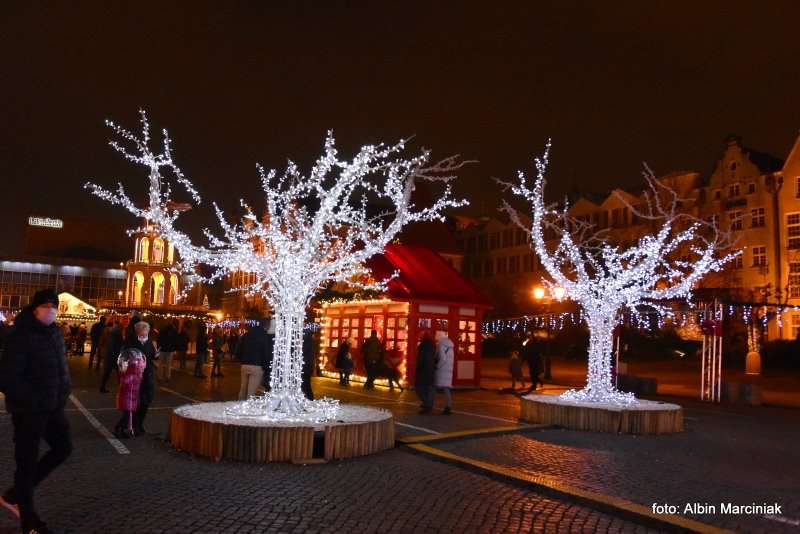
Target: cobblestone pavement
156 489
733 458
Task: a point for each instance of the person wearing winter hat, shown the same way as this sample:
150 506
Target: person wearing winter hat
35 379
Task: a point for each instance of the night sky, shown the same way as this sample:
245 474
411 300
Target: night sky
613 83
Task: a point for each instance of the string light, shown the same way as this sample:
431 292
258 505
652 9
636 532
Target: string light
317 229
606 279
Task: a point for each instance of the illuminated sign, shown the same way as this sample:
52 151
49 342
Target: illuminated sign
46 222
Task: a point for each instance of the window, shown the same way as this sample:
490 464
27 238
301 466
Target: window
488 268
736 220
502 264
513 264
793 229
733 190
618 217
494 240
797 187
521 237
759 256
794 279
757 217
751 188
795 325
738 262
713 221
717 194
527 263
508 238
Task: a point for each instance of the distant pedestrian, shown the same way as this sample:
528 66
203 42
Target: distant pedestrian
344 362
532 353
34 377
131 364
252 352
373 353
218 351
425 375
167 346
95 333
515 369
391 369
113 348
202 350
445 359
182 347
147 389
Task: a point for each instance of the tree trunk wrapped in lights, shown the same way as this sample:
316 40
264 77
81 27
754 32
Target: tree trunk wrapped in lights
605 279
317 230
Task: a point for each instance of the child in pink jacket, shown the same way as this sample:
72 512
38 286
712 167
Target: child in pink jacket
131 364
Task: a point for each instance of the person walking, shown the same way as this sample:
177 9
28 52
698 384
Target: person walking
391 369
252 352
218 351
182 347
131 364
515 369
95 333
113 348
344 362
426 373
167 345
532 354
147 389
373 358
34 377
444 370
201 344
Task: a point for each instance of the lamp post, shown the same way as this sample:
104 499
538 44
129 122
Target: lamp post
540 295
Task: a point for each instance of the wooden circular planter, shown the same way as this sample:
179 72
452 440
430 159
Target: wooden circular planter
644 417
204 429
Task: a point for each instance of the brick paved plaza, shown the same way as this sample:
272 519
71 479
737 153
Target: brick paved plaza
738 454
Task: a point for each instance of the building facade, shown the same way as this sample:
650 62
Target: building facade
751 194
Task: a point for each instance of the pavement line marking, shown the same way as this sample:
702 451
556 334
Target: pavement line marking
398 401
177 394
421 429
469 433
598 501
117 444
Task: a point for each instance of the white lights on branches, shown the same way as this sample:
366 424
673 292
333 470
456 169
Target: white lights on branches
606 279
318 228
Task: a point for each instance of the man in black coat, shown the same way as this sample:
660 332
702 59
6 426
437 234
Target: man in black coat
252 352
424 378
532 354
95 333
147 390
35 379
115 343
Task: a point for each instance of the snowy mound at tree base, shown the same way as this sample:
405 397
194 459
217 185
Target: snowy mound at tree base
219 412
641 417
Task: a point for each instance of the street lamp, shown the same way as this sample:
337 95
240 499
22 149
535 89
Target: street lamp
538 293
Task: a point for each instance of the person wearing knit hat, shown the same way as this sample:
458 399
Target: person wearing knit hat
35 380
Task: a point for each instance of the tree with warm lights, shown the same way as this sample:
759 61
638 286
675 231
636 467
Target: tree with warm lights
318 228
606 279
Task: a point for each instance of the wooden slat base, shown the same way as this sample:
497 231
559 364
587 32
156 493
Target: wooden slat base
599 419
259 444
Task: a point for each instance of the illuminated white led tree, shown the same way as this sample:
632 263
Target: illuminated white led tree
318 228
605 278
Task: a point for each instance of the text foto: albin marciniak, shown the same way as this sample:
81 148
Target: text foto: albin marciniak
727 508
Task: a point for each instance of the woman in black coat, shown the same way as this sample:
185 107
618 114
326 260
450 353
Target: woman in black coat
424 378
344 363
147 391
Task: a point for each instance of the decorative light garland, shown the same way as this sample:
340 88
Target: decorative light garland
606 279
316 230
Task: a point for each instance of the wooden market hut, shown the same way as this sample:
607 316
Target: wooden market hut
427 294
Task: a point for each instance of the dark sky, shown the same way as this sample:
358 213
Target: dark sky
614 83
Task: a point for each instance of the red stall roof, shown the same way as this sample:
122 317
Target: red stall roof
423 275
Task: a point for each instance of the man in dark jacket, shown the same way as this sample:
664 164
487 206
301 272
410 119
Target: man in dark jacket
532 354
425 374
167 346
35 379
252 352
94 335
147 390
373 358
115 343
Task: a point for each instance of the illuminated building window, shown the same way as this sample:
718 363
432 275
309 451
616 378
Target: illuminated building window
793 230
794 279
759 256
758 217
